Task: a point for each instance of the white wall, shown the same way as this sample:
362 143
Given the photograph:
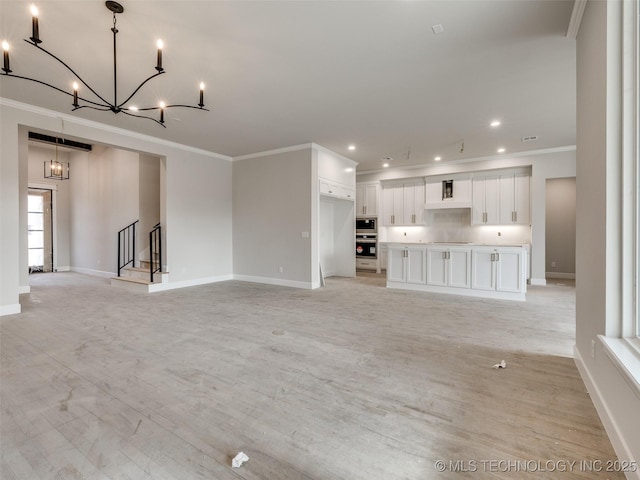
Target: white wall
104 192
195 198
598 264
272 206
544 165
561 228
149 199
198 223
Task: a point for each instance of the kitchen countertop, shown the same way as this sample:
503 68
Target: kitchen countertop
458 244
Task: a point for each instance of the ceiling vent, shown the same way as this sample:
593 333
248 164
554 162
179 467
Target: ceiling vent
530 139
437 29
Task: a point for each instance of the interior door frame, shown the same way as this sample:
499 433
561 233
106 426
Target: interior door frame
54 220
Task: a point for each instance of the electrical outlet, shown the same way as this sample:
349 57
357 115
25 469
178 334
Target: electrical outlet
593 349
553 264
280 269
304 234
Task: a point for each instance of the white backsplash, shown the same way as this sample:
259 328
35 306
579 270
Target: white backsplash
454 225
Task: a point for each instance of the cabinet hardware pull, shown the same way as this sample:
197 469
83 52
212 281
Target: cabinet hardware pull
493 258
497 257
515 216
364 209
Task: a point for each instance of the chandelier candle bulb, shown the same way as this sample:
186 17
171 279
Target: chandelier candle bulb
35 29
5 58
75 94
160 46
162 104
201 104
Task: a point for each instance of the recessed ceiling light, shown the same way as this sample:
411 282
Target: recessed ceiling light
352 147
385 165
495 123
437 159
348 170
501 150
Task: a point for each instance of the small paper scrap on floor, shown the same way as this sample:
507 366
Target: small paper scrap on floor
502 364
239 459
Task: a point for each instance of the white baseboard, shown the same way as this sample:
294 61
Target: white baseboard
161 287
24 289
10 309
538 281
276 281
65 268
95 273
604 412
571 276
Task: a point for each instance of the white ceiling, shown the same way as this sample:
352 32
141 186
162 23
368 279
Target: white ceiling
368 73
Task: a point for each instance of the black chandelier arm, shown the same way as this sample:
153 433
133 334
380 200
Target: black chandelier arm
143 116
70 69
102 109
139 87
173 106
107 107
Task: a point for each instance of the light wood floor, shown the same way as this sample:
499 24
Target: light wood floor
351 381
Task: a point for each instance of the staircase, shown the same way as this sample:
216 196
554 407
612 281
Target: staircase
148 275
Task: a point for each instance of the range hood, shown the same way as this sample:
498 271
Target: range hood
446 193
445 204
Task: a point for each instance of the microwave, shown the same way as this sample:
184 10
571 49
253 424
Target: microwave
366 225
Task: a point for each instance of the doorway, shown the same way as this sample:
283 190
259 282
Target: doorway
40 231
560 230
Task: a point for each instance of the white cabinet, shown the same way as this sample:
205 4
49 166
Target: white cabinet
484 205
448 193
367 199
515 193
403 203
406 265
496 271
449 267
500 269
414 203
330 188
501 199
392 205
383 249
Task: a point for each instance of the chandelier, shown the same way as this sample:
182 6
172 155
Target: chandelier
101 104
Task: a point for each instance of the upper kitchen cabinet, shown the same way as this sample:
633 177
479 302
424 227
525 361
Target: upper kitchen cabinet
337 190
403 203
448 192
367 199
501 199
515 194
484 205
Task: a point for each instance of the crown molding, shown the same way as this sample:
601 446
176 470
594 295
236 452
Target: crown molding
331 152
69 119
276 151
502 156
576 18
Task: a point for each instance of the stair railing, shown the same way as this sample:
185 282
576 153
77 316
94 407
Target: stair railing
155 251
127 246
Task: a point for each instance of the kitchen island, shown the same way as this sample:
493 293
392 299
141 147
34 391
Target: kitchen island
472 269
